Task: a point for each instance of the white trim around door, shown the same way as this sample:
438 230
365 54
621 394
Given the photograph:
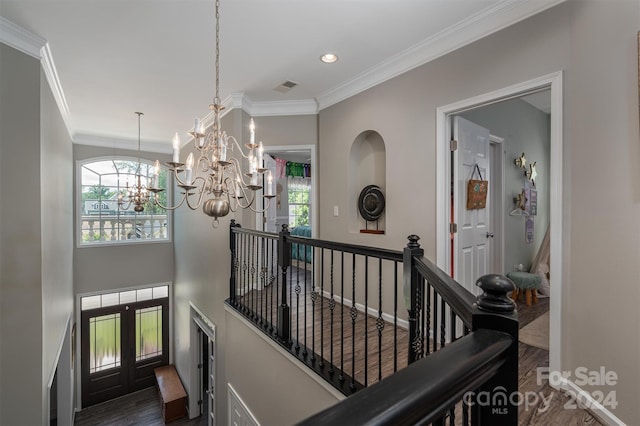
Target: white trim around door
443 172
314 182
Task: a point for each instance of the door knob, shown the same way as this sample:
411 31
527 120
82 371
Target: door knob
489 234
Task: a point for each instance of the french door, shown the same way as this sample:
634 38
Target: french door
121 346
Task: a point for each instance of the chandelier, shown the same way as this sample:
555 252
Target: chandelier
138 194
214 180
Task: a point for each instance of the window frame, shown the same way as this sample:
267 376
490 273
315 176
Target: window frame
290 204
79 203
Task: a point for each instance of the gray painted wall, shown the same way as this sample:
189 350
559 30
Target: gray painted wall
595 44
524 129
202 277
57 238
35 236
20 237
128 265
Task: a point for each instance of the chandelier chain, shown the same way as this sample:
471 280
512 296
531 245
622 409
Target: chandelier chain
216 101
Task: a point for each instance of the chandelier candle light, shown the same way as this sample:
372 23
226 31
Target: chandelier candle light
138 194
215 180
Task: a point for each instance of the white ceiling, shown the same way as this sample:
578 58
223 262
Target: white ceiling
115 57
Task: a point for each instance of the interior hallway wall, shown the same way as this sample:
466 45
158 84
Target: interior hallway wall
36 268
595 44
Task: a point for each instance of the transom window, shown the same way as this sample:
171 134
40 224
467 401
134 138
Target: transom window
102 219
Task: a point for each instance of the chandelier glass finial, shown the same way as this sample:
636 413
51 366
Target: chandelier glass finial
211 176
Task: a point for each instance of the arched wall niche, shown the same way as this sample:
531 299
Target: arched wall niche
367 166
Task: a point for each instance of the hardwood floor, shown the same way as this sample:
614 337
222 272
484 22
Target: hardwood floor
142 408
546 406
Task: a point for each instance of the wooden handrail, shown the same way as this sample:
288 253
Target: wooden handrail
424 391
457 297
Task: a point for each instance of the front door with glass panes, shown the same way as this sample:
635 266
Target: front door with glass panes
121 346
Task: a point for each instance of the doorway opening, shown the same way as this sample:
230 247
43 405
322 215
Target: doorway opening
295 179
203 367
450 174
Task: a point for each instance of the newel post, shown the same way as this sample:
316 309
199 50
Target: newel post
234 261
494 310
413 296
284 261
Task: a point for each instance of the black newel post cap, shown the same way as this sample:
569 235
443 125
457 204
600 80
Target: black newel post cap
413 241
233 222
494 297
285 227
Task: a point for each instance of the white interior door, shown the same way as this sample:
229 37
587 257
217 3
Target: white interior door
472 242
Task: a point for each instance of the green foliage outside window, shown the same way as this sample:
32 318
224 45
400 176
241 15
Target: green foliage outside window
298 206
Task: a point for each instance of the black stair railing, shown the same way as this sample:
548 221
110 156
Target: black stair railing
335 307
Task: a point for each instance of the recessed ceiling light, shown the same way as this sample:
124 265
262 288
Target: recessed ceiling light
329 58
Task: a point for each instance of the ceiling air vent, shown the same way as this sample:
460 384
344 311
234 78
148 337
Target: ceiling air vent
286 86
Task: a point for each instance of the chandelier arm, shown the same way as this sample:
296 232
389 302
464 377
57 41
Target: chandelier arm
256 210
236 143
171 207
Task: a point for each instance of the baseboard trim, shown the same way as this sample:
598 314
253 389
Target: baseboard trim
584 400
370 311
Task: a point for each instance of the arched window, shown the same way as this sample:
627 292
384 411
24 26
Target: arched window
102 220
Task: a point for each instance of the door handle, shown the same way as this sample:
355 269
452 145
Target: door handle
490 235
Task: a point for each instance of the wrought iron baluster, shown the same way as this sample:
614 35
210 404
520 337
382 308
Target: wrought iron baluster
395 316
298 290
434 331
321 307
305 352
442 322
332 305
314 297
379 320
354 315
272 280
428 316
366 319
341 376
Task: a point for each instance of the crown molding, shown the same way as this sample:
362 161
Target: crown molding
482 24
51 74
161 147
297 107
20 39
35 46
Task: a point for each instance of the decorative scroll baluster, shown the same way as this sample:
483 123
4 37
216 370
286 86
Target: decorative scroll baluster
305 352
272 279
92 232
354 315
314 297
379 320
298 290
